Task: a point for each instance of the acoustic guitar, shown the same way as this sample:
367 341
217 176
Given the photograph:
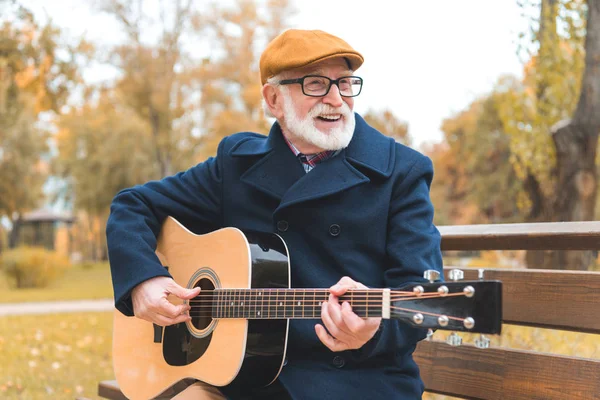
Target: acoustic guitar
238 331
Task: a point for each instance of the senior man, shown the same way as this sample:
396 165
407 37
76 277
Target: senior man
352 205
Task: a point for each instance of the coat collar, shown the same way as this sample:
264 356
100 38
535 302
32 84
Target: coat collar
278 172
368 147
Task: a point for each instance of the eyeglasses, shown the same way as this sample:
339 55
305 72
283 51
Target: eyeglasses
319 86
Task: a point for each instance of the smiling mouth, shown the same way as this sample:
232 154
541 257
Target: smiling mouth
330 118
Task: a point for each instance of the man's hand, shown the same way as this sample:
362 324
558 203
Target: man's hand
150 301
347 331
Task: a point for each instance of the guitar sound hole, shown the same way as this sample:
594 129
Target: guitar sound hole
202 306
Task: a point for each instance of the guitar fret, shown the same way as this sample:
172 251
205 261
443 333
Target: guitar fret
240 304
214 305
255 310
228 304
233 302
240 300
261 296
222 305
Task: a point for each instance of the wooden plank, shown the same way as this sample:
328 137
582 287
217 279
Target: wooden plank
494 373
528 294
581 235
110 390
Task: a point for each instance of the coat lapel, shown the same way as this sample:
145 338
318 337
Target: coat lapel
279 173
329 177
277 169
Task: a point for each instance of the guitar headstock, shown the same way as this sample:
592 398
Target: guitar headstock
466 306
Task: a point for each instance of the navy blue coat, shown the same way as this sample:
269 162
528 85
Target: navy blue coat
376 191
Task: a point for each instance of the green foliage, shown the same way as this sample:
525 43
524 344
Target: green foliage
548 93
103 147
33 79
22 171
33 267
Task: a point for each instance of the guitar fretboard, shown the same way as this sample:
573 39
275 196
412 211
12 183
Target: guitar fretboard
286 303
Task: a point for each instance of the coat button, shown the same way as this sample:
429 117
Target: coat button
334 230
338 362
282 226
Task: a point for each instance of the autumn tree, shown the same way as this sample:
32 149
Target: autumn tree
553 119
103 147
387 123
154 66
474 180
230 84
33 79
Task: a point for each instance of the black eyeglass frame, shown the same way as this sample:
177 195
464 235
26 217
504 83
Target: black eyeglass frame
331 83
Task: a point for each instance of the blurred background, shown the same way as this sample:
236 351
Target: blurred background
100 95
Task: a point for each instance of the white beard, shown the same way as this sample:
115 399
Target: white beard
305 129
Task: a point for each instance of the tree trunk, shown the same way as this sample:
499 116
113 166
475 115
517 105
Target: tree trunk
14 233
576 143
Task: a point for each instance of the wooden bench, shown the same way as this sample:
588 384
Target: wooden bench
564 300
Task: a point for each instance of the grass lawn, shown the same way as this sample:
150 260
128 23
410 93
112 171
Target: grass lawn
56 356
92 282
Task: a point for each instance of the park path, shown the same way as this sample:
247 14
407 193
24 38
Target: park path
51 307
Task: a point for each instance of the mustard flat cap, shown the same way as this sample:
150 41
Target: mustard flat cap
297 48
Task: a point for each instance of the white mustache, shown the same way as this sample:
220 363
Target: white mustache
326 109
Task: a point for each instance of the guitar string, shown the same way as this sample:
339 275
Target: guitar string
258 293
392 307
352 299
293 302
225 308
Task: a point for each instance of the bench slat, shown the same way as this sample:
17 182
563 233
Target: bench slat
527 295
583 235
494 373
110 390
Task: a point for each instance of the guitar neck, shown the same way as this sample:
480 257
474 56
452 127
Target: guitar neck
289 303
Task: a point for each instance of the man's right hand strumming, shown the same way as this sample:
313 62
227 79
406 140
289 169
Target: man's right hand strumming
150 301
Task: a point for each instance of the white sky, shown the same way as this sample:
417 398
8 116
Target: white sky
424 60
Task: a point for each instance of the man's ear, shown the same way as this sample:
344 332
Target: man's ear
273 100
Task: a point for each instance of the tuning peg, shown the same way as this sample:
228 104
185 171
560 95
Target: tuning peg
456 275
429 334
431 275
482 342
454 340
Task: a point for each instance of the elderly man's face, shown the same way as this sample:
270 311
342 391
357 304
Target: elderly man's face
314 124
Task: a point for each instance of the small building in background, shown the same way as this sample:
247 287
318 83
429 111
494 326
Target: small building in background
45 228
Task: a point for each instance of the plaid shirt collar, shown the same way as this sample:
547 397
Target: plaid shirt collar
309 161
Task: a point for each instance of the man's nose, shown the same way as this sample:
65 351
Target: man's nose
334 97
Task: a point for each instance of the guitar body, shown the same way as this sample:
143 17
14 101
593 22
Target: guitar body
235 352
